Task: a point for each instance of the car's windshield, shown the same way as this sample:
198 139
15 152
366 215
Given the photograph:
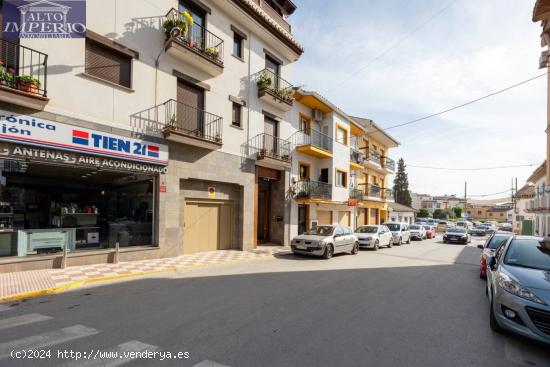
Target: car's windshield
480 227
461 224
496 241
322 231
393 226
427 227
414 226
456 230
366 229
528 253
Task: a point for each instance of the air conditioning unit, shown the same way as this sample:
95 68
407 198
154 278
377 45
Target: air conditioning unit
317 115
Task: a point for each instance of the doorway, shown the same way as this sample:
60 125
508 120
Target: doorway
271 132
303 218
190 108
264 210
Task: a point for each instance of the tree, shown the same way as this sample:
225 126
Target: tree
442 214
458 211
401 193
423 213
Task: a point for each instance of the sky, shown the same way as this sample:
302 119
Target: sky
472 48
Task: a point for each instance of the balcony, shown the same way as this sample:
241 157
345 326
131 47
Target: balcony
356 159
388 194
274 90
193 43
313 143
184 124
273 14
356 194
374 160
306 189
23 75
388 164
270 151
372 192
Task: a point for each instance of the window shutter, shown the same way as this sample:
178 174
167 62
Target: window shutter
108 64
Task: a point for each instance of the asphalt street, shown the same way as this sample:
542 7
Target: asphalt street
420 304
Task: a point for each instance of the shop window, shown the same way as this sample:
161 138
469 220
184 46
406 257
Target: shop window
108 64
45 208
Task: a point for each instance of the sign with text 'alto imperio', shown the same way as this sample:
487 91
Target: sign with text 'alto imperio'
50 134
44 19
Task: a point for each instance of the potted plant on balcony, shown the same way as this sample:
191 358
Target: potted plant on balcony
28 84
264 80
182 24
6 75
212 52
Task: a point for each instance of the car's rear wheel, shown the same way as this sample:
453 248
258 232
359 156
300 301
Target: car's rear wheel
493 323
390 243
355 249
400 241
409 239
329 251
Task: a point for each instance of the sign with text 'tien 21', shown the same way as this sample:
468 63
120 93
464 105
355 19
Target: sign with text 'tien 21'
44 19
50 134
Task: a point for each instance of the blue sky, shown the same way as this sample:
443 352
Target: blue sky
471 49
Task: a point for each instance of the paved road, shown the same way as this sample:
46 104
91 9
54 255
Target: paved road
421 304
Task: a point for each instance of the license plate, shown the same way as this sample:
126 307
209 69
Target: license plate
300 247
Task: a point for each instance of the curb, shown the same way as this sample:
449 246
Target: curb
80 283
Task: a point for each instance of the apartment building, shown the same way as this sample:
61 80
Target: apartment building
444 202
539 205
133 141
523 219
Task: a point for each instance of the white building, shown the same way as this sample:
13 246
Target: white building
401 213
539 206
521 214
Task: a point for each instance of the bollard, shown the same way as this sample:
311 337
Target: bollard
64 262
116 253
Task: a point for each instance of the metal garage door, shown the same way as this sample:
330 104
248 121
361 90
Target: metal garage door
361 217
344 218
207 226
324 217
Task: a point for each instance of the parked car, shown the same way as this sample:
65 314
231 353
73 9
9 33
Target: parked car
489 247
326 241
518 286
479 231
457 235
490 228
432 222
466 225
417 232
430 231
374 236
400 232
506 227
442 226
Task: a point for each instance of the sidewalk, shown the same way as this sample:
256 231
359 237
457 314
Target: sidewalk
36 283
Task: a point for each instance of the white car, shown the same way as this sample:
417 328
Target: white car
418 232
374 236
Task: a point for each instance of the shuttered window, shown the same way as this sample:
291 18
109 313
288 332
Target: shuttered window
108 64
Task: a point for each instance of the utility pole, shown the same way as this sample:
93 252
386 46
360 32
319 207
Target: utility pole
465 199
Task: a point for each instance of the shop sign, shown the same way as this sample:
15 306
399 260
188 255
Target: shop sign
352 202
45 133
22 152
44 19
162 187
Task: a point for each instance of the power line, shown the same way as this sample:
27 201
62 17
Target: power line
395 44
459 106
494 193
473 169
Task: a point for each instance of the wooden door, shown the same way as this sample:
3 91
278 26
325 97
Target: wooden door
264 211
271 133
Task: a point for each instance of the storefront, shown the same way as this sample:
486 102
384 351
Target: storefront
63 187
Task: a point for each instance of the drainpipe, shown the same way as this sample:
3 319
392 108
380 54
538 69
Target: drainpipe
173 34
249 88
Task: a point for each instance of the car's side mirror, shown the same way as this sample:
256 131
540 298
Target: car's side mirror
492 262
480 247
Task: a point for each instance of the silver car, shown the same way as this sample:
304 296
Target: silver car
374 236
400 232
326 241
417 232
518 286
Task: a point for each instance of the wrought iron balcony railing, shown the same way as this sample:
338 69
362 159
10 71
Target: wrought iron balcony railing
313 190
23 68
311 137
194 36
357 156
355 194
265 145
374 156
374 191
183 119
388 163
272 83
388 194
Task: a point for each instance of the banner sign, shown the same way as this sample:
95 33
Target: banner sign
44 19
49 134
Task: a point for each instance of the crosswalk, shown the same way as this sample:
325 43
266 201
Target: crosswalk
111 357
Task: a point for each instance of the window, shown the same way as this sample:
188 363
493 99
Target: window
236 114
341 135
108 64
479 212
323 177
305 123
341 178
237 45
304 171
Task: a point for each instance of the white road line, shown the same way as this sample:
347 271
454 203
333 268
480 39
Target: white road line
114 357
22 320
46 339
208 363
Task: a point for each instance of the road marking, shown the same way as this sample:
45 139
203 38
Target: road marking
112 357
208 363
46 339
22 320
